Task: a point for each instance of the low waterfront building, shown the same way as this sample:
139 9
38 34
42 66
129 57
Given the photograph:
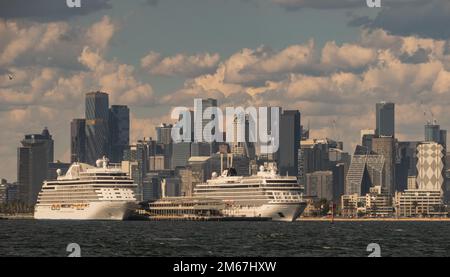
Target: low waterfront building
376 203
419 203
353 205
3 191
379 203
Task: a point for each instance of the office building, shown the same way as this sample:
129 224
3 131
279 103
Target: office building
319 184
314 155
119 131
406 163
200 149
434 133
164 133
78 140
338 171
136 159
290 142
97 126
366 138
365 172
272 124
32 164
203 115
181 152
386 146
199 170
385 119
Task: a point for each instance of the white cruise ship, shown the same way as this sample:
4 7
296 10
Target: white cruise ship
86 192
266 194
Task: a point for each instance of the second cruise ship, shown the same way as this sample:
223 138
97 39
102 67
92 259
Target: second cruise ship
263 195
86 192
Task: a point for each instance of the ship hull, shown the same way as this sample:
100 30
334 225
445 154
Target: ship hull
102 210
277 212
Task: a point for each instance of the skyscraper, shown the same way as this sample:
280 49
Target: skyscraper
365 171
97 126
32 164
406 165
314 156
386 146
366 138
78 140
385 119
430 166
202 116
434 133
272 123
290 137
164 133
120 131
181 153
319 184
137 159
49 143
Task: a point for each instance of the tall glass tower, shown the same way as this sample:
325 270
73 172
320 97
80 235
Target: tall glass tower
120 131
290 137
97 126
385 113
78 140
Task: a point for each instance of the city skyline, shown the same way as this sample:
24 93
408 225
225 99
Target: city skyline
110 47
429 131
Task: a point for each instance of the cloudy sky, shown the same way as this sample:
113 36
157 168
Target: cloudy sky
331 59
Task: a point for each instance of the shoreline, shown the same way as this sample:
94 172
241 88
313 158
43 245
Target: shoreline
320 219
302 219
16 217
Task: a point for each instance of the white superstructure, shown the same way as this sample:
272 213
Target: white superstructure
86 192
265 194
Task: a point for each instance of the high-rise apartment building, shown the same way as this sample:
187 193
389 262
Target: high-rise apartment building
430 166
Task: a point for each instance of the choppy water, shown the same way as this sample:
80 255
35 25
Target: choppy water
141 238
